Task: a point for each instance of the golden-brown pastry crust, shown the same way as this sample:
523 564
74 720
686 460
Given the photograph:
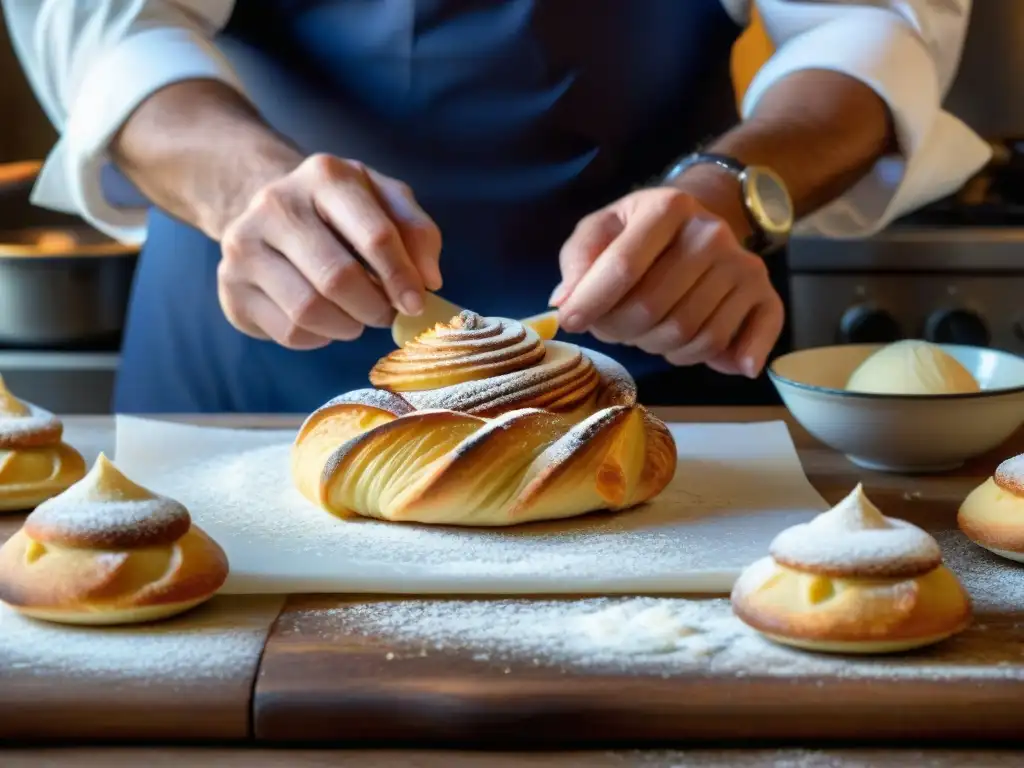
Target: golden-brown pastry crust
468 348
852 581
35 464
992 515
108 551
560 436
865 615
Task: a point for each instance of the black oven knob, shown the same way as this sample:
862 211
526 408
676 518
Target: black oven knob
957 326
865 324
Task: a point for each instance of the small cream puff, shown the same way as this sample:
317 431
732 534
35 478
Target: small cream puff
108 551
35 463
992 515
853 581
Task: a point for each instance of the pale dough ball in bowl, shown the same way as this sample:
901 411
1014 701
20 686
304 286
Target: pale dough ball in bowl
928 424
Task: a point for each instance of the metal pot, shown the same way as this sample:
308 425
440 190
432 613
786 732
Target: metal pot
988 93
62 283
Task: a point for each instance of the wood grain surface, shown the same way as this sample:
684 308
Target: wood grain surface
189 678
322 680
329 758
319 682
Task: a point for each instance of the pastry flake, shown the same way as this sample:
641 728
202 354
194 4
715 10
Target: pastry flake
480 422
108 551
852 581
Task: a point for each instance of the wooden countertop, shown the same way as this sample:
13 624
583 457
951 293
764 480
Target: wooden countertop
309 679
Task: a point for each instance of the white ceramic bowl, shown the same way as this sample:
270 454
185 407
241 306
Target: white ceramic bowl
902 433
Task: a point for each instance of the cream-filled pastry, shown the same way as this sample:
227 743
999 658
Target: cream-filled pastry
480 421
992 515
853 581
108 551
912 367
35 463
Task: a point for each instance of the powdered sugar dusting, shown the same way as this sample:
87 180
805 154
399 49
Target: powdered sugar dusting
737 485
221 640
15 427
854 538
675 636
97 514
562 363
1010 474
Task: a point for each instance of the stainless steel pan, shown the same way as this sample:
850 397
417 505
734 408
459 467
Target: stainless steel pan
62 283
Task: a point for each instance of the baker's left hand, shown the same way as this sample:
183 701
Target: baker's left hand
658 270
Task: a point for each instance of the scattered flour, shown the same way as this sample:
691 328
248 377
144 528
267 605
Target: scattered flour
670 636
736 487
220 640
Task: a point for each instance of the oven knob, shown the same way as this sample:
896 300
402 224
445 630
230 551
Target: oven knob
957 326
865 324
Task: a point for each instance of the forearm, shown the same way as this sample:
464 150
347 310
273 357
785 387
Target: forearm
200 151
821 131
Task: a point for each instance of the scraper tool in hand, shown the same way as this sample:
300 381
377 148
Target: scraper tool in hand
437 310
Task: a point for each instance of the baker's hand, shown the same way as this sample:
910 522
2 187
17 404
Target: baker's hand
292 268
659 271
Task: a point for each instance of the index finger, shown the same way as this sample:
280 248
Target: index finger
354 212
618 269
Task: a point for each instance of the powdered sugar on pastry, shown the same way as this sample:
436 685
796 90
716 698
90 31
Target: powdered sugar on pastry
20 420
854 539
468 348
564 372
106 510
1010 475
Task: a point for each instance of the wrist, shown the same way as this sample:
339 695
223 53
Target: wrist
199 150
255 158
720 192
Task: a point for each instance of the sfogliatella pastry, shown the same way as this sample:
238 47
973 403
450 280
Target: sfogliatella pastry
992 515
108 551
35 463
853 581
480 422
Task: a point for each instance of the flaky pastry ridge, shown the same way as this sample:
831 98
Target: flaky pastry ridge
852 581
480 422
35 463
992 515
108 551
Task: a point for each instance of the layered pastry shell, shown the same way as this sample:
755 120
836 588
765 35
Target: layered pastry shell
992 515
108 551
853 581
35 462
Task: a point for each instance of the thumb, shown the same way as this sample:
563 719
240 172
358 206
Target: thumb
420 235
588 241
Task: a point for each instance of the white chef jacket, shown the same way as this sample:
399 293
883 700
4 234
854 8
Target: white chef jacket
92 62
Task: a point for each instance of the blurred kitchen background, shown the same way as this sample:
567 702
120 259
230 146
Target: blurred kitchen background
953 272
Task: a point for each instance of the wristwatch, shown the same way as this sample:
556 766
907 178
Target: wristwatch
765 197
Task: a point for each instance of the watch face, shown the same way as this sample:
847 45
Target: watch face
768 200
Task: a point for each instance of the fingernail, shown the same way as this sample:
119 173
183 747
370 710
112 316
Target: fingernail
434 281
411 303
749 367
573 323
557 295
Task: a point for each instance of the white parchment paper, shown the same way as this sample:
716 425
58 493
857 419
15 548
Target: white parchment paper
737 485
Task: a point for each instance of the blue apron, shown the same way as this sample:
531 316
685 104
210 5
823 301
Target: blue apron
510 120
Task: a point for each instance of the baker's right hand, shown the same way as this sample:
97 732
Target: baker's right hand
289 269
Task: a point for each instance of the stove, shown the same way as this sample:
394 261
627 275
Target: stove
951 272
70 379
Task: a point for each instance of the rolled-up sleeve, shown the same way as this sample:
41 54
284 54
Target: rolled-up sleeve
907 51
90 69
